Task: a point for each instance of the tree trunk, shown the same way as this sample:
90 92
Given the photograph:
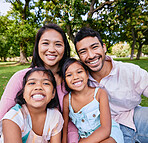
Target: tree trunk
23 57
133 44
139 51
69 32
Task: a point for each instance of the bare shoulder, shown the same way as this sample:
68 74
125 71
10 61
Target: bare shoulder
102 93
66 99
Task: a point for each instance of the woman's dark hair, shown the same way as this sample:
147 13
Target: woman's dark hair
86 32
36 60
65 66
53 103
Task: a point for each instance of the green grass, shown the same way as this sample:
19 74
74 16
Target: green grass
7 70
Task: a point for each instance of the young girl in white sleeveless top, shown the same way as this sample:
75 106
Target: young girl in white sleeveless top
87 107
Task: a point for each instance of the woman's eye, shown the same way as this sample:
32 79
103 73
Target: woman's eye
58 45
45 43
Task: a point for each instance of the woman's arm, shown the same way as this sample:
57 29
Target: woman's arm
11 132
66 118
14 85
103 132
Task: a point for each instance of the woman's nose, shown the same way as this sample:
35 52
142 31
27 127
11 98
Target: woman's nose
51 48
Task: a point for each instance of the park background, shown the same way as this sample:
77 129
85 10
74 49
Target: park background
122 24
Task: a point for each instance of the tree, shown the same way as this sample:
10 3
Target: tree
132 16
27 20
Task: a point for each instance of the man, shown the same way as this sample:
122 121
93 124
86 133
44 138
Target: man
124 82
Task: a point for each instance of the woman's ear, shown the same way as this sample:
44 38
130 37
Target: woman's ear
53 93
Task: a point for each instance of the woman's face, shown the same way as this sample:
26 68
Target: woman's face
51 48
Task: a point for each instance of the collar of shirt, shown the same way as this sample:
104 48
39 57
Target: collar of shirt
113 71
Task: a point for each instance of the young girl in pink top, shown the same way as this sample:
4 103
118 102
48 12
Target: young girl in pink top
50 50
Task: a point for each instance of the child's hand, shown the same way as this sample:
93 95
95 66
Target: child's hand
81 140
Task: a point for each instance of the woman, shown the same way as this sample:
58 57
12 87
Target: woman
51 49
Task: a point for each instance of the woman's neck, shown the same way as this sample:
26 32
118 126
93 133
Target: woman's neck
54 68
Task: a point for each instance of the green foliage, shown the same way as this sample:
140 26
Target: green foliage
121 49
145 49
114 20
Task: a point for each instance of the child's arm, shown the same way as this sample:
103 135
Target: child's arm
66 118
11 132
103 132
56 138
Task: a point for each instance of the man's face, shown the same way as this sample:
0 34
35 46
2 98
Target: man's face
91 53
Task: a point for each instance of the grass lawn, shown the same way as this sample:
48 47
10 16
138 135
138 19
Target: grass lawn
8 69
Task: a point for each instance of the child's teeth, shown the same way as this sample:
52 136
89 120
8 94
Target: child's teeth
37 96
77 83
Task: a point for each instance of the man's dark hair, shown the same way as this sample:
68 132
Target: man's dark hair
86 32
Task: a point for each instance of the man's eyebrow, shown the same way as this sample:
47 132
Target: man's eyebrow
94 44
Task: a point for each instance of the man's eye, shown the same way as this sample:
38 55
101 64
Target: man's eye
82 52
94 47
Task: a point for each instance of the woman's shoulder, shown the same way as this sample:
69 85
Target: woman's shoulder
22 72
19 74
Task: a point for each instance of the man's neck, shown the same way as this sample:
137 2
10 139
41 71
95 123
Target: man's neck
107 67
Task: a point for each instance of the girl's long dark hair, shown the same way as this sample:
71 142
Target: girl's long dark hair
53 103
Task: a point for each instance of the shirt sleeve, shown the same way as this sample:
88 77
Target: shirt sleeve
14 85
58 125
15 115
141 81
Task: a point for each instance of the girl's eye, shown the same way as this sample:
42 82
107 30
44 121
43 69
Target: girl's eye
46 83
80 71
68 75
31 83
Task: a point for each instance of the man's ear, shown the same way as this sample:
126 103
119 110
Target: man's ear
104 47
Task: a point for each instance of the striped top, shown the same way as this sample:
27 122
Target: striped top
20 115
